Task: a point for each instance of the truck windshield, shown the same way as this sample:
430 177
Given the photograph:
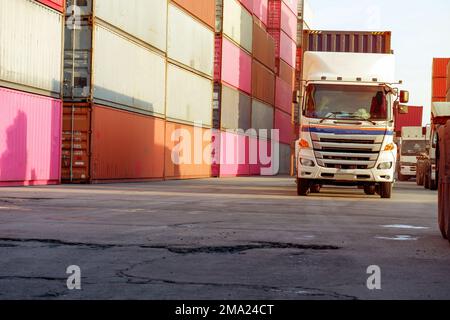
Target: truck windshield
346 102
413 148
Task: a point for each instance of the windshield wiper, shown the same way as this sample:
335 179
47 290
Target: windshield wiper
335 114
362 119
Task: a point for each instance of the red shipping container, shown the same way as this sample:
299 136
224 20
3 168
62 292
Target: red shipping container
283 122
448 78
439 87
30 139
282 18
260 10
285 72
285 47
440 67
58 5
299 59
283 95
248 4
413 118
439 99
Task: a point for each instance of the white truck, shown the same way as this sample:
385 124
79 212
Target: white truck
347 123
413 145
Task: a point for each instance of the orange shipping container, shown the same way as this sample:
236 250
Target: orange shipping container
448 78
192 150
440 67
439 87
102 145
263 83
263 46
205 10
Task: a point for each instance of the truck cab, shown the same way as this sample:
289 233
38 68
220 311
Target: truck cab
413 146
347 123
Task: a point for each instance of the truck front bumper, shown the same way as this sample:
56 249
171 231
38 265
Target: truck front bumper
408 170
356 176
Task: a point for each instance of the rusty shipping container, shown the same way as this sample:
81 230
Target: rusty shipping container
263 46
263 83
201 9
188 151
286 72
347 41
101 144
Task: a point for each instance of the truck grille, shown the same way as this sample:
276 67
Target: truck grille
352 152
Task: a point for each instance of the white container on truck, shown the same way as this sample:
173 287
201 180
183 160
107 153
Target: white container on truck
347 124
413 146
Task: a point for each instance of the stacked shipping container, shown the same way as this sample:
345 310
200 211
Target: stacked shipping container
283 26
439 79
448 81
411 119
31 34
123 110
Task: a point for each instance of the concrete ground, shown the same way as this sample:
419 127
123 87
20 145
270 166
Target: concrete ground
247 238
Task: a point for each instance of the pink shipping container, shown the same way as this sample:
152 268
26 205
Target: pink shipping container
30 139
232 154
248 4
281 17
283 122
285 47
265 150
283 95
292 5
260 10
54 4
233 65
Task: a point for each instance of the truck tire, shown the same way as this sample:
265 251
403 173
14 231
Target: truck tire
386 190
402 177
433 183
370 190
315 188
426 181
441 220
303 187
420 178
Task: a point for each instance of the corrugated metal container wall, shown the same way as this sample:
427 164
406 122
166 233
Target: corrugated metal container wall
263 47
286 73
262 117
285 159
30 139
283 122
31 47
126 146
264 149
143 19
448 78
236 109
347 41
287 49
233 65
260 10
189 97
439 87
54 4
248 4
178 138
282 18
440 67
263 83
293 5
190 42
237 24
283 95
412 119
202 9
133 78
232 152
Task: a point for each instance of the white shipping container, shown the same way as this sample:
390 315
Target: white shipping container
190 42
127 75
262 117
238 24
30 47
143 19
189 96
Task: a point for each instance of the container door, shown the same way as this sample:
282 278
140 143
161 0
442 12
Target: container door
76 144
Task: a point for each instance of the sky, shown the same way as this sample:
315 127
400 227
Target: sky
420 31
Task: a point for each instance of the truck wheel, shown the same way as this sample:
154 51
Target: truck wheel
370 190
303 187
386 190
401 177
441 220
426 181
433 184
419 178
315 188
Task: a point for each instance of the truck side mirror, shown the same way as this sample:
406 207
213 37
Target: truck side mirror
404 96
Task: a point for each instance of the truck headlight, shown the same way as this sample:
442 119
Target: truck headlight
307 163
385 166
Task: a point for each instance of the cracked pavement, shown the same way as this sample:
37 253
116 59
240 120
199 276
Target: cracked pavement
246 238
